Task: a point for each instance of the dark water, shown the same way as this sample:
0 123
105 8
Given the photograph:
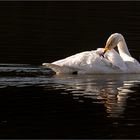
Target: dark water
37 32
34 103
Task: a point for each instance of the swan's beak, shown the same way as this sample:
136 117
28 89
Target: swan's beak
105 50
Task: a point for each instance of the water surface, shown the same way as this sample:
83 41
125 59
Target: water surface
42 105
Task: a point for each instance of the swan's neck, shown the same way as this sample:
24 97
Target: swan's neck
122 48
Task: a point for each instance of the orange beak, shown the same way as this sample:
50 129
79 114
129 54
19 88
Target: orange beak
105 50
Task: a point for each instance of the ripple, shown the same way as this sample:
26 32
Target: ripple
23 70
111 91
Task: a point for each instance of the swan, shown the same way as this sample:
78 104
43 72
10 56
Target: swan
101 61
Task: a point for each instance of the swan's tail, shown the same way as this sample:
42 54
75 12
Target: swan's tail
60 69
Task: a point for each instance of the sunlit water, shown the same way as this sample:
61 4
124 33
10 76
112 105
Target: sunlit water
34 103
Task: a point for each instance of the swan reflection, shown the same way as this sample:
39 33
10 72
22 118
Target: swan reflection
110 90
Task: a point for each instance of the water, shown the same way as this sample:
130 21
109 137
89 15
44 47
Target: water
42 105
34 103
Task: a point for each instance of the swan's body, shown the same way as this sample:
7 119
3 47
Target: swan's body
92 62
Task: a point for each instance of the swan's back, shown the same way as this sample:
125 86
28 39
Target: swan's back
78 60
91 62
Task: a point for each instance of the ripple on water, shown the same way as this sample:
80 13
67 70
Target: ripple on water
111 91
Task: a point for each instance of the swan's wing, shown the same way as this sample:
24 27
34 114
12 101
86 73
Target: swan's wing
116 59
89 62
72 64
109 64
75 61
59 69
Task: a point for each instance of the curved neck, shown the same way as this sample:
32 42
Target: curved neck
122 48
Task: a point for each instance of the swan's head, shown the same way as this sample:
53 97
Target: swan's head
112 41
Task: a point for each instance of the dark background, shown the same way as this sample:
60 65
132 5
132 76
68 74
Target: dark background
37 32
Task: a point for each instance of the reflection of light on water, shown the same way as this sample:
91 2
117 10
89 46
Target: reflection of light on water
112 92
116 103
123 93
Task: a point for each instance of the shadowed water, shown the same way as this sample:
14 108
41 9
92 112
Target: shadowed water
40 105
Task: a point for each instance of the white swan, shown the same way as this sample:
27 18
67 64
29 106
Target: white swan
101 61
